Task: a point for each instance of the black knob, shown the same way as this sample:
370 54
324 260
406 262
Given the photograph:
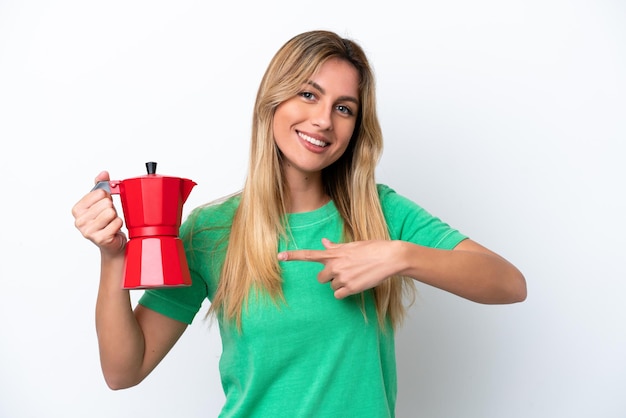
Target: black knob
151 167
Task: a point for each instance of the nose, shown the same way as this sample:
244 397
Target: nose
322 117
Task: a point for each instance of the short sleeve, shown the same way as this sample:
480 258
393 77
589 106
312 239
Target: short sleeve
205 236
410 222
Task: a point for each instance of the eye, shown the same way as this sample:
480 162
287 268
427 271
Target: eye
307 95
345 110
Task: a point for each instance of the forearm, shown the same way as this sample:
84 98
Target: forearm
470 271
120 338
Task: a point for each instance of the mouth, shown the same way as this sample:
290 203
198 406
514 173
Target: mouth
311 140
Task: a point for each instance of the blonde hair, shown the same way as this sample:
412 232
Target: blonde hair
250 263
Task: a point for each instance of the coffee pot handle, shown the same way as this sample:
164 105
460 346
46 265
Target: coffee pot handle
112 187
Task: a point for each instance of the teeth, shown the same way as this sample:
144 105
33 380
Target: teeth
312 140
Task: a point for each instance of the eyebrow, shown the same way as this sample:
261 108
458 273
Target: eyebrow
341 98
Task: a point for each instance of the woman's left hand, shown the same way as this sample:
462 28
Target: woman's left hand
352 267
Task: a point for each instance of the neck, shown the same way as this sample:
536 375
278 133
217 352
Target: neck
305 194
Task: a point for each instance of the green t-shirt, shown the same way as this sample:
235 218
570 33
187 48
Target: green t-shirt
312 356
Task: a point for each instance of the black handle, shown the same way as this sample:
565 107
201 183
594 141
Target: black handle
151 167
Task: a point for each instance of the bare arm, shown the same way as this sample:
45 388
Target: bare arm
470 270
131 342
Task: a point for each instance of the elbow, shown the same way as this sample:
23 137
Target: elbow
508 289
522 292
517 291
117 382
116 385
517 296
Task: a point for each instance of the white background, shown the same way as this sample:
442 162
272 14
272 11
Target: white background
504 118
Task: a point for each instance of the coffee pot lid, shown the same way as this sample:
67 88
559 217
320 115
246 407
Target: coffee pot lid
151 167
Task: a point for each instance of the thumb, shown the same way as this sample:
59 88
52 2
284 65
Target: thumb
102 182
328 244
102 176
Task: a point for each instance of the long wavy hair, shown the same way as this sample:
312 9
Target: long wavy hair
250 262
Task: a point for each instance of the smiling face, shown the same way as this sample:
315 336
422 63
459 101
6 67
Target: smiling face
313 129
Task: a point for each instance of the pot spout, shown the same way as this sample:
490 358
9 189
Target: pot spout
185 188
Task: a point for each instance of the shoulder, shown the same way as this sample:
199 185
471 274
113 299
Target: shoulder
390 200
213 217
409 221
215 213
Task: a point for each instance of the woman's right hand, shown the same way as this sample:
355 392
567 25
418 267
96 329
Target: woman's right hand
97 220
131 341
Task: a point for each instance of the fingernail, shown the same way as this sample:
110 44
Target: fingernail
282 256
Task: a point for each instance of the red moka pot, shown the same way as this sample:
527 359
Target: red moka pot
152 206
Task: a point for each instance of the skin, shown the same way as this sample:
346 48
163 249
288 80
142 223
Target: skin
470 270
325 110
132 342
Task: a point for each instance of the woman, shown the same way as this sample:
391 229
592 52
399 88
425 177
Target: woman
307 267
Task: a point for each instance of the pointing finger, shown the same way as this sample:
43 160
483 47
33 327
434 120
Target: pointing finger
302 255
328 244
